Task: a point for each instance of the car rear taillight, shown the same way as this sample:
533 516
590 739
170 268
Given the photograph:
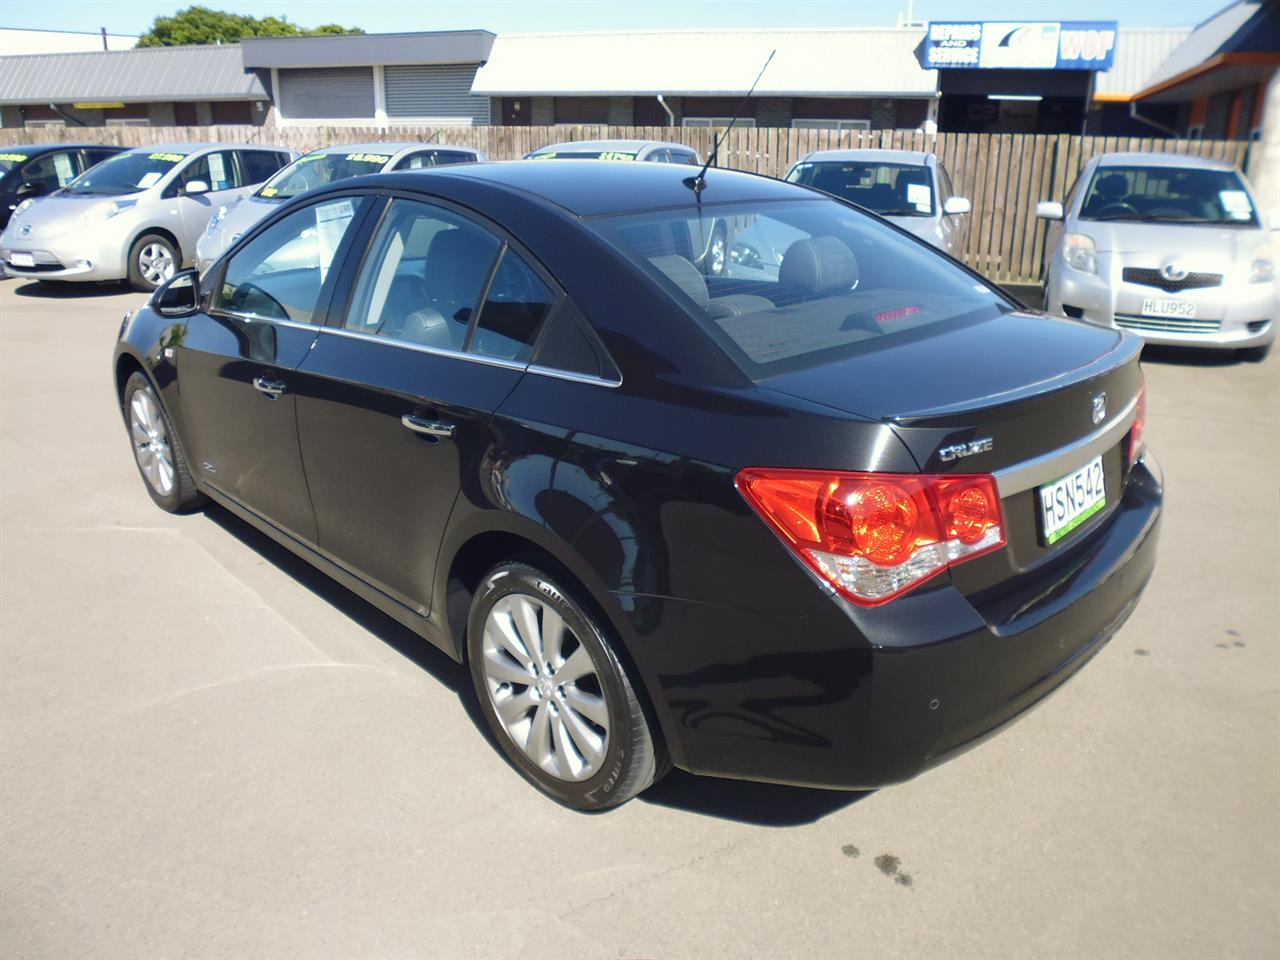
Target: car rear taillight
874 536
1139 425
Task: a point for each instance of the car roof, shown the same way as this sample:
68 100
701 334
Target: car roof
881 156
35 148
589 188
204 147
1163 160
602 145
390 146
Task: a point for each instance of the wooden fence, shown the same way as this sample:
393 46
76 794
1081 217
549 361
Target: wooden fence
1004 175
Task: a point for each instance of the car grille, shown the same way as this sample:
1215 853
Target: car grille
1148 277
1166 324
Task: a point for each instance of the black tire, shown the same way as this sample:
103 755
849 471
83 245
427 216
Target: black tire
182 495
633 757
137 278
1254 354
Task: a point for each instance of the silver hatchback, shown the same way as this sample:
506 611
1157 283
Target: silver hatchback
1168 246
136 215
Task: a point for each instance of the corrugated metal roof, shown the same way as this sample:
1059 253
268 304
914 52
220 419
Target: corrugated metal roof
1139 51
1203 42
139 75
838 62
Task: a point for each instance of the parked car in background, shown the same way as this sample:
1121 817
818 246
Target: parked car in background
136 216
1171 247
644 151
30 171
315 169
910 188
828 528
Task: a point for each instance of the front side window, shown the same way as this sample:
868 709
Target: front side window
278 275
805 282
259 165
890 189
1168 195
216 170
321 167
128 172
51 171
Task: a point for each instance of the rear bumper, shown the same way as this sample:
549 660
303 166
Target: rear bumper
855 698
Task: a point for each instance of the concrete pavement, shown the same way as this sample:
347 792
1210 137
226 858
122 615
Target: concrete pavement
208 749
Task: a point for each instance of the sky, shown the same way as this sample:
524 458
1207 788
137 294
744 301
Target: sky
536 16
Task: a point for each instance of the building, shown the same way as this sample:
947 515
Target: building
161 86
379 78
15 41
1214 84
837 79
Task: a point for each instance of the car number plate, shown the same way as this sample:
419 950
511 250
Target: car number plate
1159 307
1068 502
22 259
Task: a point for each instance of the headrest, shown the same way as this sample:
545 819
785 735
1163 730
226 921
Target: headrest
819 265
1113 185
685 276
463 254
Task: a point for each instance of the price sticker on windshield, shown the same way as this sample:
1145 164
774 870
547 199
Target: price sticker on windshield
367 158
12 157
166 157
616 155
269 191
1236 203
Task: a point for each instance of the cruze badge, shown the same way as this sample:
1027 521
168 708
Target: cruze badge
1100 408
958 450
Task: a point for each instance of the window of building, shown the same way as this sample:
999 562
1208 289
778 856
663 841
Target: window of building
718 121
831 124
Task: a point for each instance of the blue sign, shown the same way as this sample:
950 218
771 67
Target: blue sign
1021 45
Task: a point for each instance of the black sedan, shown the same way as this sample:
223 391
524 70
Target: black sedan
822 519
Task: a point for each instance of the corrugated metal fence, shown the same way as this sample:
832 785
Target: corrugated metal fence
1004 175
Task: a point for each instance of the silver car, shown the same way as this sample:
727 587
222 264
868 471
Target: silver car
644 151
136 215
909 188
232 220
1171 247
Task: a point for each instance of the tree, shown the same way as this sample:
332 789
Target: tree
203 25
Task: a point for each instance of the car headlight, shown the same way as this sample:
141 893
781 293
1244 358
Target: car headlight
1263 268
107 209
23 205
1080 252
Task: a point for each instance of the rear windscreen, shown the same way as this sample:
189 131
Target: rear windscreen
787 285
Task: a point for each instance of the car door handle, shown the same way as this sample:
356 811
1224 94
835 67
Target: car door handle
432 428
272 388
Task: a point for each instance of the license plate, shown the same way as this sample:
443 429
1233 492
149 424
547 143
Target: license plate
1159 307
1068 502
22 260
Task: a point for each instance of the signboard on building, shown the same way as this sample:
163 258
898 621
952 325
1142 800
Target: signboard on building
1021 45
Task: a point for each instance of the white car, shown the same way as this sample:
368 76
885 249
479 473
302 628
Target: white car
326 165
1168 246
910 189
134 216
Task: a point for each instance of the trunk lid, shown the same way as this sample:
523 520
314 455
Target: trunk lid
1016 396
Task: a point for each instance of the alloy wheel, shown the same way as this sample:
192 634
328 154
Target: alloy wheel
151 442
544 688
717 254
155 263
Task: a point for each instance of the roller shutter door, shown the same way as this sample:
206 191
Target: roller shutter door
435 90
327 93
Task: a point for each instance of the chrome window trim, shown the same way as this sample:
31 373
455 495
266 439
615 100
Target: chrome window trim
574 377
255 318
423 348
1057 463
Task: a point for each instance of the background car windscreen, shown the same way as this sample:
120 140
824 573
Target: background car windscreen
10 160
806 281
125 173
317 169
890 189
1168 195
584 155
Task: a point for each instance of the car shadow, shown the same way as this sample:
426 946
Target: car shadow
763 804
1192 357
44 290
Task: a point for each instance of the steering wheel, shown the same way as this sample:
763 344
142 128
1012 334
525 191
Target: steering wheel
1119 206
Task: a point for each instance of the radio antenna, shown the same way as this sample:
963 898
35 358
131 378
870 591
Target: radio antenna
698 184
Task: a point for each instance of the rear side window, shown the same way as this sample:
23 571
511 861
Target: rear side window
278 275
259 165
804 282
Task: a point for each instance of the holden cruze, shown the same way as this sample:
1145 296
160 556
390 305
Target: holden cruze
826 527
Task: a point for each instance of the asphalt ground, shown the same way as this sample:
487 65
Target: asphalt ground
208 749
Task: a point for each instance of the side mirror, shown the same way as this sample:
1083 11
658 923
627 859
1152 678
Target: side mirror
194 187
1049 210
179 296
956 206
30 189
